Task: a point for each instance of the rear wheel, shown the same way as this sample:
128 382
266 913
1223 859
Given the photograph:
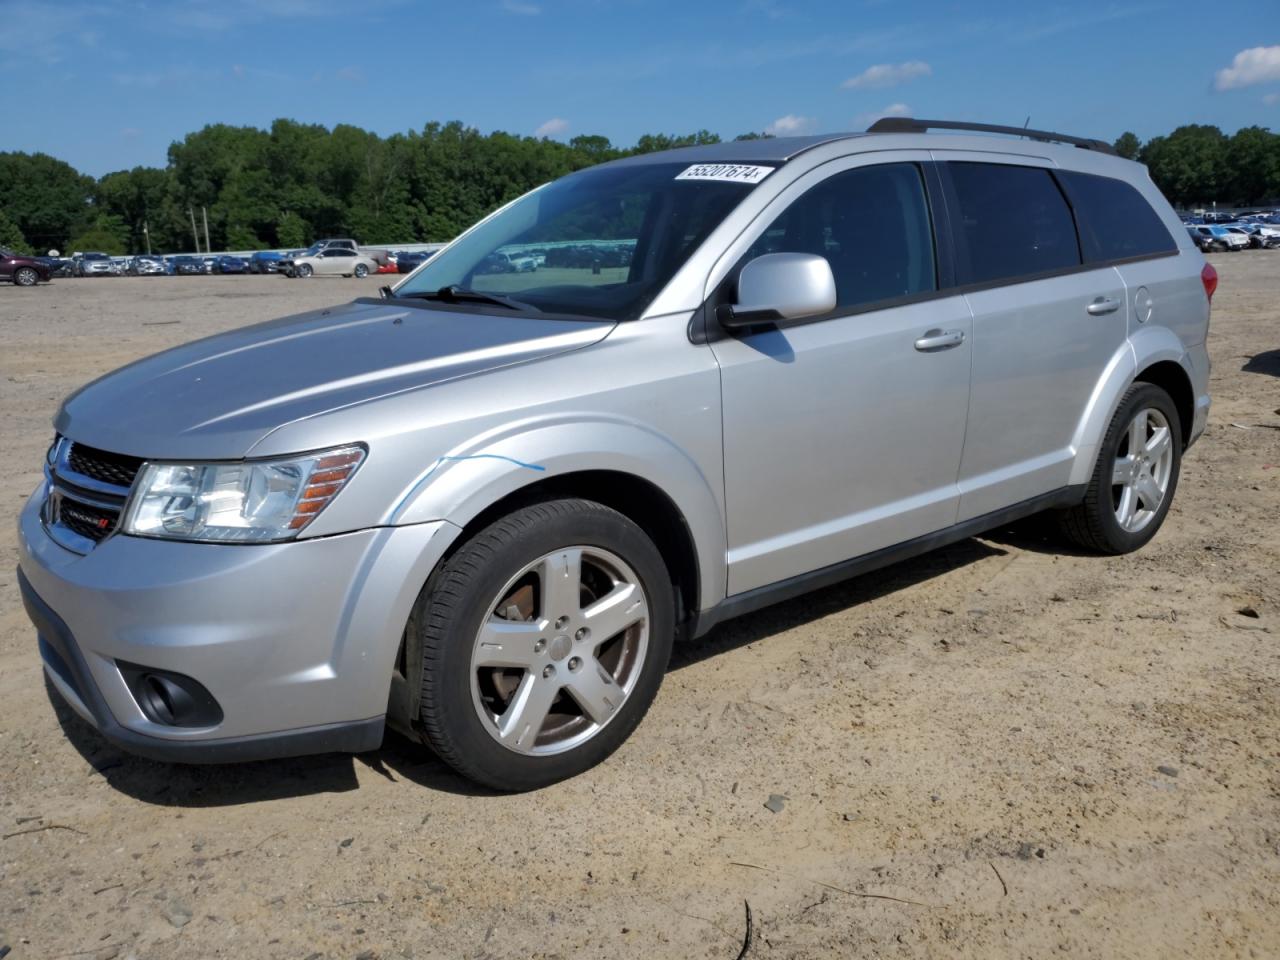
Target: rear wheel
361 271
1135 478
544 641
26 277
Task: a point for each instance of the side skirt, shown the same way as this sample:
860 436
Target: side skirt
766 596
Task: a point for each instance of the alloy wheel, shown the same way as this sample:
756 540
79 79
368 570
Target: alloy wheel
1143 468
562 646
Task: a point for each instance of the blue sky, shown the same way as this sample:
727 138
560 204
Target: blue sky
118 81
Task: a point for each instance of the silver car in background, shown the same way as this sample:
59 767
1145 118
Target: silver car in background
483 507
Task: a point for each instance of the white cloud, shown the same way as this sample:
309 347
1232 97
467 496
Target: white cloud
892 110
888 75
553 127
1255 65
790 126
521 7
1271 99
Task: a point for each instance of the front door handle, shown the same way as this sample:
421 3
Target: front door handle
1103 305
939 340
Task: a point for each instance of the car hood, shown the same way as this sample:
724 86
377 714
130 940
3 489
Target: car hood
216 398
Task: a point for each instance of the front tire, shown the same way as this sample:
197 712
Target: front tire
544 640
25 277
303 270
1135 478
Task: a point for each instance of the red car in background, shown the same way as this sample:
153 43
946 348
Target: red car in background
23 271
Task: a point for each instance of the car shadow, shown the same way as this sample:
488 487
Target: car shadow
221 785
402 759
1267 363
790 614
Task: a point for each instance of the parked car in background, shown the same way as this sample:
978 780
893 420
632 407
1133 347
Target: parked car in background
22 270
264 261
93 265
1263 234
59 266
229 264
409 260
185 265
390 266
209 263
1221 238
335 261
503 262
145 265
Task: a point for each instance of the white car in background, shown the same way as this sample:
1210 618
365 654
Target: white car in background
335 261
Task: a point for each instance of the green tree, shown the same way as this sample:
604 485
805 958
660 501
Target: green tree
46 198
1128 145
1189 165
292 231
242 238
1253 165
107 234
11 237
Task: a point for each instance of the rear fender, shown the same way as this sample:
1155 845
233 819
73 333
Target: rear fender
1148 346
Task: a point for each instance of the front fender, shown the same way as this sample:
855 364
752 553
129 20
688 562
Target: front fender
466 480
1147 346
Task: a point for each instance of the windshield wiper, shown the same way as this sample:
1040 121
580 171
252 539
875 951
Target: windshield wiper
456 294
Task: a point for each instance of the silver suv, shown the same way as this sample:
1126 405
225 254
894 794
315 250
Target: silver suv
482 507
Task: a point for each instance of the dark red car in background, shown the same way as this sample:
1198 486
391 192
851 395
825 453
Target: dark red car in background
23 271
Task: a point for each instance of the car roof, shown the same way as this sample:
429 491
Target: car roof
772 150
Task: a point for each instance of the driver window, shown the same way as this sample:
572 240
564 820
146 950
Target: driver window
872 225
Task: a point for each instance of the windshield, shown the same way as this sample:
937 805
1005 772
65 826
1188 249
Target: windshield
599 243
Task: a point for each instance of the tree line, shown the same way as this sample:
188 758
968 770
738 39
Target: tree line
294 183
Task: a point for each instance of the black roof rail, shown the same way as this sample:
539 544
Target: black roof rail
912 125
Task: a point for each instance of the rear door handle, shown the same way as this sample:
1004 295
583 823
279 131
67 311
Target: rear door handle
1103 305
939 340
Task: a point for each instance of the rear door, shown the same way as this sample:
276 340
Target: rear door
1118 225
842 434
1045 327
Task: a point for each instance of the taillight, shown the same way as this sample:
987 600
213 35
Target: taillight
1209 277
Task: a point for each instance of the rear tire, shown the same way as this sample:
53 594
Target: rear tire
544 640
25 277
1134 480
361 271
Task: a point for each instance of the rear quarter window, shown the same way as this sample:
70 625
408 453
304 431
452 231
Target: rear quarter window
1115 220
1013 223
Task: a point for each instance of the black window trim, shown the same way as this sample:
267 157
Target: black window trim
940 199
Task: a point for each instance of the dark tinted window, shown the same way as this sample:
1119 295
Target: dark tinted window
1115 221
872 225
1013 222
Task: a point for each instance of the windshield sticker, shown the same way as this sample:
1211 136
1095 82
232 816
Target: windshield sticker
728 172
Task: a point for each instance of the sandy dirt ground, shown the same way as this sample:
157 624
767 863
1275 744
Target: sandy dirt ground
1004 749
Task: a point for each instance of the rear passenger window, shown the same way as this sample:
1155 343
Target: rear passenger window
1115 220
1013 222
872 225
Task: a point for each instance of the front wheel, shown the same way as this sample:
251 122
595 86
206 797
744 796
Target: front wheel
25 277
303 270
361 271
1135 478
544 640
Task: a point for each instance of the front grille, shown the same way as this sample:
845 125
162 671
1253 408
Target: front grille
92 523
113 468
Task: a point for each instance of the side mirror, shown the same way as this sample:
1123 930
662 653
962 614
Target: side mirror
781 286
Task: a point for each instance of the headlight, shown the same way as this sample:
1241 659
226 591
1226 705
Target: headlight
256 501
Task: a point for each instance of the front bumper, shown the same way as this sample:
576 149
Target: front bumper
295 641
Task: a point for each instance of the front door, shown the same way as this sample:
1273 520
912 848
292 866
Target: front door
843 435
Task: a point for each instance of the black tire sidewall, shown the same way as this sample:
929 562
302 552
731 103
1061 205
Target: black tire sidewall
1140 395
25 272
459 734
